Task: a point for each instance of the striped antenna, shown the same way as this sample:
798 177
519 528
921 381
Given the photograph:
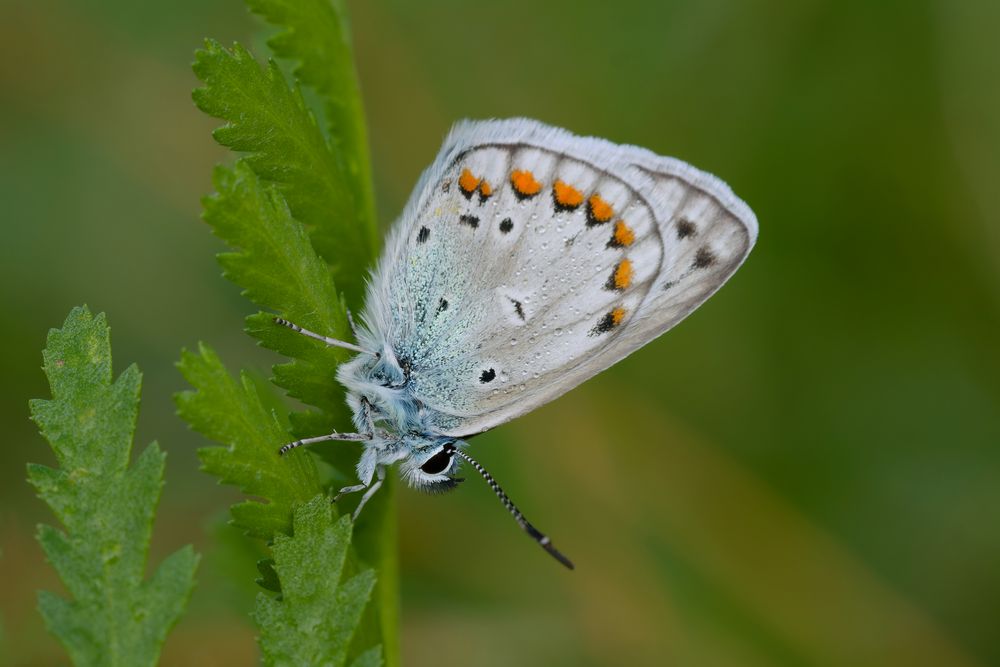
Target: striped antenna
333 342
526 526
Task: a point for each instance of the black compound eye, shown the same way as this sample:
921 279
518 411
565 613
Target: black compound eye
439 462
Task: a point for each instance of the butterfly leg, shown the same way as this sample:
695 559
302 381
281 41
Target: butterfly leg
349 489
333 342
353 437
380 472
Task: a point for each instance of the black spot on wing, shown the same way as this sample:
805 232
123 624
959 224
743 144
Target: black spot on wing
470 220
423 235
604 325
518 308
506 225
488 376
703 258
563 208
442 306
685 228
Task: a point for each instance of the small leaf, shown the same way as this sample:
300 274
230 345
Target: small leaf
276 265
269 121
232 413
315 619
106 508
316 35
297 211
268 579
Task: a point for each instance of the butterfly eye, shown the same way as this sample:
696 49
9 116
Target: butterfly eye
439 462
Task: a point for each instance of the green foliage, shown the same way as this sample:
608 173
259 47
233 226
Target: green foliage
114 617
313 621
269 120
232 413
315 33
297 211
278 269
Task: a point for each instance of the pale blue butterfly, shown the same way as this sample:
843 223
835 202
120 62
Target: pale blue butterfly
526 261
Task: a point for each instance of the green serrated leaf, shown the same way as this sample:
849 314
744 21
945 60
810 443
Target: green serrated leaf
317 614
232 412
276 265
268 579
268 120
290 175
106 508
316 34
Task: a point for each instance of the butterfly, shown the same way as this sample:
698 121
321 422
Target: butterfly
526 261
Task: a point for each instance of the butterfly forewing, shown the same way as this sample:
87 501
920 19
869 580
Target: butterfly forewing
530 259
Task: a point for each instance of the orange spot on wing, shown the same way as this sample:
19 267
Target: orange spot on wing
524 183
485 189
623 236
468 182
608 322
623 274
599 210
566 196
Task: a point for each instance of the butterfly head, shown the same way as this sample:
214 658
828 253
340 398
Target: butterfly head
431 464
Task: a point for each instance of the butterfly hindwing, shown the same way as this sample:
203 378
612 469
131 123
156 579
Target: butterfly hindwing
529 259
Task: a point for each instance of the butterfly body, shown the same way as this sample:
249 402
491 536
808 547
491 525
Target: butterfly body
400 426
526 261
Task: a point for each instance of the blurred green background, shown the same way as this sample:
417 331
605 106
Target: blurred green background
806 472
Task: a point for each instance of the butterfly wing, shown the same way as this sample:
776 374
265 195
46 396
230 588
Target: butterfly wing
529 259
